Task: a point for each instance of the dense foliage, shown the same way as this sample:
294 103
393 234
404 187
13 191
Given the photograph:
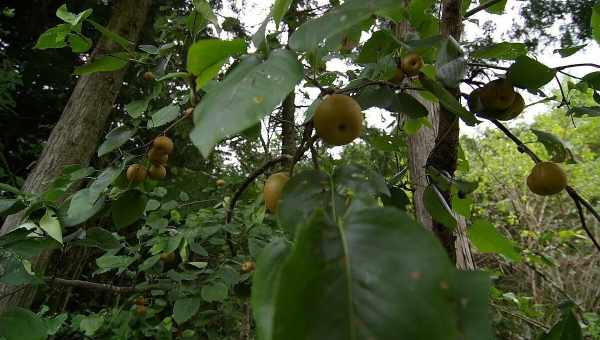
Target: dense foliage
197 255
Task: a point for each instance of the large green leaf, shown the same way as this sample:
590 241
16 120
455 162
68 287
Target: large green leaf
280 8
22 324
82 207
137 107
206 57
101 238
585 111
336 21
184 309
559 150
448 101
203 7
128 208
264 284
107 63
54 37
385 98
51 225
437 209
497 8
501 51
113 261
10 206
380 44
566 329
71 18
338 273
487 239
163 116
252 90
114 139
595 22
120 40
214 292
530 74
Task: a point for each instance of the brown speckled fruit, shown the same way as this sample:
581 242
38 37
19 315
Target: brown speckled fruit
273 190
136 173
248 266
411 64
140 310
149 76
157 171
497 95
140 301
163 144
168 258
546 178
515 108
157 157
220 183
338 119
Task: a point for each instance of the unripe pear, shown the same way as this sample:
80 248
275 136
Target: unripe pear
273 190
546 178
338 119
149 76
156 157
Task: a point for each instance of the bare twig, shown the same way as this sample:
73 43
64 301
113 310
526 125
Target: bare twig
482 65
578 201
559 68
100 286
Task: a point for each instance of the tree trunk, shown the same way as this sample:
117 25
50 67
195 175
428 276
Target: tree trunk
438 147
288 127
76 135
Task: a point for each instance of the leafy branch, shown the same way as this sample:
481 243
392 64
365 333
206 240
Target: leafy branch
575 196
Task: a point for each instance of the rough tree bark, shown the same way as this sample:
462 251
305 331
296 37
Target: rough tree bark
288 127
76 135
439 144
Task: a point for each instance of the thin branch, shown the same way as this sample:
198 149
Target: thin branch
482 65
481 7
100 286
520 145
576 65
578 201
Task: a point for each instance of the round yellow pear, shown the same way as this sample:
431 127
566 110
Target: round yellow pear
157 171
273 190
547 178
338 119
136 173
497 95
411 64
163 144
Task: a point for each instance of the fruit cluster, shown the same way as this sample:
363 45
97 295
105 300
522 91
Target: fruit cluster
496 100
158 155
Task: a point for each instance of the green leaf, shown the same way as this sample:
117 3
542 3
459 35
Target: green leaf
70 18
592 79
530 74
204 8
380 44
150 49
107 63
114 261
184 309
501 51
82 207
78 43
50 224
488 240
149 263
214 292
264 283
91 324
137 107
10 206
53 38
163 116
22 324
559 150
437 209
340 267
569 51
582 111
474 293
448 101
385 98
497 8
338 20
595 22
280 8
252 90
206 57
114 139
128 208
100 238
121 41
54 324
10 188
15 272
566 329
